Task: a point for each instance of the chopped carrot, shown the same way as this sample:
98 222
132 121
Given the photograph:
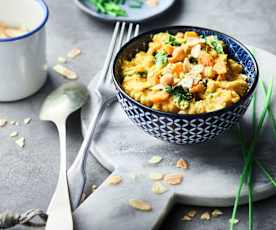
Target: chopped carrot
205 59
199 88
159 97
169 49
178 68
190 34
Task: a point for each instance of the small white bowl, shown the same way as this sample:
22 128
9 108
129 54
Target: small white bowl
23 65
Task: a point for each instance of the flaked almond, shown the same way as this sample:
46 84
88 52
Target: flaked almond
74 53
3 122
183 164
216 213
156 176
173 179
20 142
186 218
205 216
158 188
62 60
155 160
192 213
27 120
93 188
14 134
195 52
114 180
140 205
65 72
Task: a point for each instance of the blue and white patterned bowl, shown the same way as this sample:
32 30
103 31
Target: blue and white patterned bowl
181 128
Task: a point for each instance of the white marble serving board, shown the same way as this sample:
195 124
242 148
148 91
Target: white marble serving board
212 179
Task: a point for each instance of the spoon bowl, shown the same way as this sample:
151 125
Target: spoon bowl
63 101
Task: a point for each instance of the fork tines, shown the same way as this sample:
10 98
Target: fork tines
117 42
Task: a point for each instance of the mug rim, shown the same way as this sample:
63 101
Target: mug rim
45 9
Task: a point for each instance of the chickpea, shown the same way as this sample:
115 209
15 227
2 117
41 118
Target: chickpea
167 80
177 55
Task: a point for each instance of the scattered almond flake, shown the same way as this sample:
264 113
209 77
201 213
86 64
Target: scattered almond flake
183 164
20 142
73 53
216 213
62 60
3 122
114 180
156 176
152 3
197 69
158 188
158 87
12 122
155 160
14 134
233 221
173 179
194 41
186 218
83 197
94 186
65 72
205 216
140 205
195 52
192 213
27 120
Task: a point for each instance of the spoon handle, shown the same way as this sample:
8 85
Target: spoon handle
77 173
59 213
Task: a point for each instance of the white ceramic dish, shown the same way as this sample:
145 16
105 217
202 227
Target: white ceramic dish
23 66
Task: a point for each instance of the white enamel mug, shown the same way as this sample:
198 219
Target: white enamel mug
23 65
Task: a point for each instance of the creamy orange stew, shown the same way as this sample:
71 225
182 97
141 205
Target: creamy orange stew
184 73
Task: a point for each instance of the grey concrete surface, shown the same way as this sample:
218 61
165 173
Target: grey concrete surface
28 176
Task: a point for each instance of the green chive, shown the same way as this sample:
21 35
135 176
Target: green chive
270 114
249 156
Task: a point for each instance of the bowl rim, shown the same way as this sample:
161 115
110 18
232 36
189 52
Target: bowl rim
190 116
45 9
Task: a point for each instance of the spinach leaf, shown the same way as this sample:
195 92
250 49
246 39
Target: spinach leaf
180 93
161 58
213 42
172 41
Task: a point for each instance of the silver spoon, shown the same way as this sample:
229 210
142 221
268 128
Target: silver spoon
56 108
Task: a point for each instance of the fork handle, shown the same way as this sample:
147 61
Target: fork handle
77 172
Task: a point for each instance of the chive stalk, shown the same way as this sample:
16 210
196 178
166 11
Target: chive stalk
249 156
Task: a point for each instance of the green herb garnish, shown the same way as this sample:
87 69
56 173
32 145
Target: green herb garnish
161 58
179 93
249 155
172 41
213 42
181 96
110 7
270 114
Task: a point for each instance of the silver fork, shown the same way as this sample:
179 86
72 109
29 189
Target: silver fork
104 92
